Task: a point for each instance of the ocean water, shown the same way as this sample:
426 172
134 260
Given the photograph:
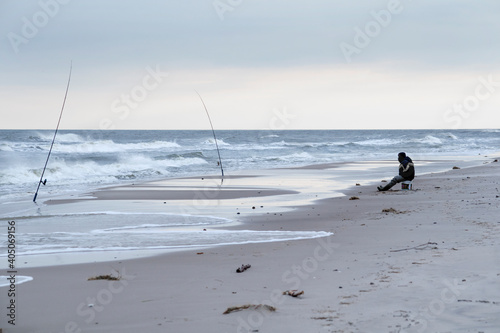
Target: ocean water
86 160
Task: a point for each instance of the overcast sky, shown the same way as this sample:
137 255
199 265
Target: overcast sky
258 64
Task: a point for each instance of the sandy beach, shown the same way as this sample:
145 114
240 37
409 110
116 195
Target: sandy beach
223 166
425 260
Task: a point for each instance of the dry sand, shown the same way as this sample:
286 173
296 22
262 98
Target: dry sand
430 263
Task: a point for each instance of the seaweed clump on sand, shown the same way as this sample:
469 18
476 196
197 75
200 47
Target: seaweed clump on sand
249 306
108 277
394 211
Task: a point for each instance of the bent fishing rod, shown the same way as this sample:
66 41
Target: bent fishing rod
213 132
55 133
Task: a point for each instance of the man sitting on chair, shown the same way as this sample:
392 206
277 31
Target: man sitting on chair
406 172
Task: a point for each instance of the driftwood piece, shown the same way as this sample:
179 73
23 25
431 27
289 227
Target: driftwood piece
242 268
419 247
293 293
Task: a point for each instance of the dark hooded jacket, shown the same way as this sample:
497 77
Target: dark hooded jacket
406 168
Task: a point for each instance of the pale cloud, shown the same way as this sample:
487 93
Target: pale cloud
318 97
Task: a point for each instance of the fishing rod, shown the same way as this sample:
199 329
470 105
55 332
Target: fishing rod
213 132
55 133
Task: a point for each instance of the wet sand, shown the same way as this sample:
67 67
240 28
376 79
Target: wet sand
426 260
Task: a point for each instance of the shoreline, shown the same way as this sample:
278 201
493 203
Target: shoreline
430 262
204 196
